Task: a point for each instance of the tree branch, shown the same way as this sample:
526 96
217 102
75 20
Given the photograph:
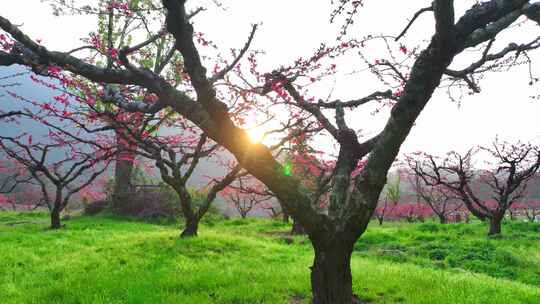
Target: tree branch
228 68
416 15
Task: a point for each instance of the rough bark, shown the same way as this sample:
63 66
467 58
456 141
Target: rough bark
192 221
122 176
55 219
443 219
297 228
191 229
495 224
122 184
331 278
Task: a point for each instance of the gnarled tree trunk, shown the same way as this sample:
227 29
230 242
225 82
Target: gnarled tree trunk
297 229
442 219
495 223
331 278
123 171
55 219
191 228
122 184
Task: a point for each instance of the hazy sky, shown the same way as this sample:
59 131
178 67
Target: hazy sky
292 29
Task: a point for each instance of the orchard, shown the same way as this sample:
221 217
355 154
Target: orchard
315 138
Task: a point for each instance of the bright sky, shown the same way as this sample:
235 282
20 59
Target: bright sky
292 29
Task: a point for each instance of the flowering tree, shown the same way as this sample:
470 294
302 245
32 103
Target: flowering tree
10 180
411 212
18 190
353 197
117 20
243 204
95 192
72 152
177 158
515 165
442 201
515 209
58 180
246 194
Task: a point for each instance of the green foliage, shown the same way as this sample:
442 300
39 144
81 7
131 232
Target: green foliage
247 261
393 190
198 198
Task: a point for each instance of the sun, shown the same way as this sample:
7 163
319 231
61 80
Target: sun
256 135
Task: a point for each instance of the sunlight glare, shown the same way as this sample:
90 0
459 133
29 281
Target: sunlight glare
256 135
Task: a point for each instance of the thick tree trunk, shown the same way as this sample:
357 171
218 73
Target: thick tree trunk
191 229
55 219
331 278
122 184
495 225
123 171
443 219
297 229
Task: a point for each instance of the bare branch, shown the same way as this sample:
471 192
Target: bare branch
356 102
416 15
228 68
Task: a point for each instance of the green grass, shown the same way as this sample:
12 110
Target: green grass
515 255
107 260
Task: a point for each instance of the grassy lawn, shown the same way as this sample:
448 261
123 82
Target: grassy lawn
107 260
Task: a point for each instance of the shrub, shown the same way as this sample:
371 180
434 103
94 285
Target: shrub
435 251
95 207
198 197
151 203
